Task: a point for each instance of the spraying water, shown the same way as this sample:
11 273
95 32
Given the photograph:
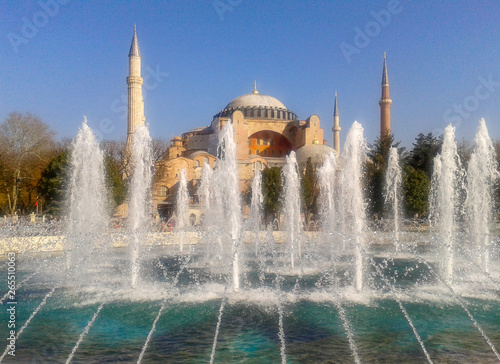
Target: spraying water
205 185
182 207
351 202
447 181
327 180
87 210
257 202
393 183
140 198
482 175
291 207
227 195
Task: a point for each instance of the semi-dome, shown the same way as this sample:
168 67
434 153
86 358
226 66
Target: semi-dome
317 153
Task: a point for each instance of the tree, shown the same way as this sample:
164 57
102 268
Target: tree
25 146
416 187
310 191
271 190
376 167
117 187
53 183
425 148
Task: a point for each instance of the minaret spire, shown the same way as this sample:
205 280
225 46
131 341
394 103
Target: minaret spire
134 47
135 98
385 78
336 127
385 104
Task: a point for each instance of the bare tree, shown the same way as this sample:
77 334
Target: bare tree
25 146
160 148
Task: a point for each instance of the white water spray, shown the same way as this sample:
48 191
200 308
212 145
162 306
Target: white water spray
87 209
182 208
482 175
227 196
351 201
393 183
291 206
140 197
327 180
447 181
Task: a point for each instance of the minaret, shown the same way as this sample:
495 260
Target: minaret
135 99
336 127
385 104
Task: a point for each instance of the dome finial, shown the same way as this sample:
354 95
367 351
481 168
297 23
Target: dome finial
255 87
315 141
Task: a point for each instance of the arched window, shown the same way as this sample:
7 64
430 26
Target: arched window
163 191
249 151
206 160
272 142
273 153
257 152
197 163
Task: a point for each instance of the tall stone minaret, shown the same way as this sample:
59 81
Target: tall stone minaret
385 104
336 127
135 100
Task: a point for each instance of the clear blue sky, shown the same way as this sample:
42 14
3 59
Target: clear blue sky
65 62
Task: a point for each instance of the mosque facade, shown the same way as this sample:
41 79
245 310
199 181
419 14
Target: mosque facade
265 132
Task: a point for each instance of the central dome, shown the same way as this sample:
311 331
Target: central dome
255 100
258 107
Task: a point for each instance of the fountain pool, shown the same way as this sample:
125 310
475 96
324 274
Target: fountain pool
238 295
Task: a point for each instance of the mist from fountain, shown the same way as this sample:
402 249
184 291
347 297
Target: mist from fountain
226 203
182 207
352 206
291 207
482 176
354 299
256 203
205 185
446 186
140 196
327 175
88 216
393 185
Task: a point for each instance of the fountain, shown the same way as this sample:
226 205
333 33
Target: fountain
482 175
447 181
291 207
350 299
140 186
393 184
182 208
87 201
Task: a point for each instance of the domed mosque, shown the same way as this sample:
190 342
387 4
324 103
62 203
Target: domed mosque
265 132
